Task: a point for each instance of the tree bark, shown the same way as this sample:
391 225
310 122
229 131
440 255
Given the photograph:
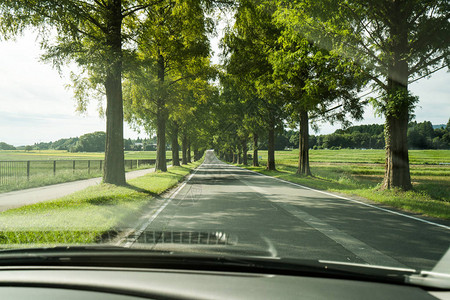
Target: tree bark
196 154
184 150
255 150
271 146
161 117
244 151
175 147
114 169
397 173
303 160
161 163
189 158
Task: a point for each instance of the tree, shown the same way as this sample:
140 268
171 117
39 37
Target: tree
317 84
5 146
248 45
91 142
396 42
172 48
95 35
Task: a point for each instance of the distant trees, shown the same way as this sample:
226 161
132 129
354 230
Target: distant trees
172 48
5 146
91 142
248 45
424 136
421 136
291 78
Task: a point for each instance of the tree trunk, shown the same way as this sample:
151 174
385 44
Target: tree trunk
234 158
114 169
161 163
271 146
184 150
239 156
303 160
189 158
161 117
244 151
175 148
196 154
397 174
255 150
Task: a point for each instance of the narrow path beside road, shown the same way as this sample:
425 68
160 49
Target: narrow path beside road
50 192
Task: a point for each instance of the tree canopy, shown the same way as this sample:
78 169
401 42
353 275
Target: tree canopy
286 64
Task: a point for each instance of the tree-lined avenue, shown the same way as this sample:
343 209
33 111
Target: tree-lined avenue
281 219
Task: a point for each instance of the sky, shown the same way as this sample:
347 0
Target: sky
36 106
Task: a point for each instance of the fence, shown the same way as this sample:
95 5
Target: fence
15 171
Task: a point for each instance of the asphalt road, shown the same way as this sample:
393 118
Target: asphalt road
286 220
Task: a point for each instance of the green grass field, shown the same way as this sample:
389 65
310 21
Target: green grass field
83 217
360 172
372 156
7 155
13 176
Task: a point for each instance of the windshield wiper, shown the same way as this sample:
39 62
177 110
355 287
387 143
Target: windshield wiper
430 279
115 256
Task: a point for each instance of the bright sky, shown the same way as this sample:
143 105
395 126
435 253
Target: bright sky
36 106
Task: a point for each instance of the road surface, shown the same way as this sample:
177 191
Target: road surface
286 220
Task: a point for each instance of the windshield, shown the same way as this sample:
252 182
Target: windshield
305 130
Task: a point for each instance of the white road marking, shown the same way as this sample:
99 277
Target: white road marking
362 250
357 247
137 232
352 200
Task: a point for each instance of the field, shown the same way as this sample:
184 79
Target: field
86 216
360 172
416 157
25 169
64 155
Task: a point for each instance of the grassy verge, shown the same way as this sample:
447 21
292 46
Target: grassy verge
85 216
47 178
430 196
371 156
65 155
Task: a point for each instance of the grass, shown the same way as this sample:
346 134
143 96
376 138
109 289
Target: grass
372 156
360 172
83 217
41 174
65 155
13 175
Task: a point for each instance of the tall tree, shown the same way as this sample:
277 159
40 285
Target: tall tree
95 35
317 85
172 47
396 42
248 45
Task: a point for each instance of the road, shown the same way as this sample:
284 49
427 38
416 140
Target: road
41 194
287 220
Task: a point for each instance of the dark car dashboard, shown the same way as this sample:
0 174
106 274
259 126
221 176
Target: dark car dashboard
120 283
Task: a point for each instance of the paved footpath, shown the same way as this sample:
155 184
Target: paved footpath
40 194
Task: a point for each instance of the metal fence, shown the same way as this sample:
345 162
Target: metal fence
16 171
